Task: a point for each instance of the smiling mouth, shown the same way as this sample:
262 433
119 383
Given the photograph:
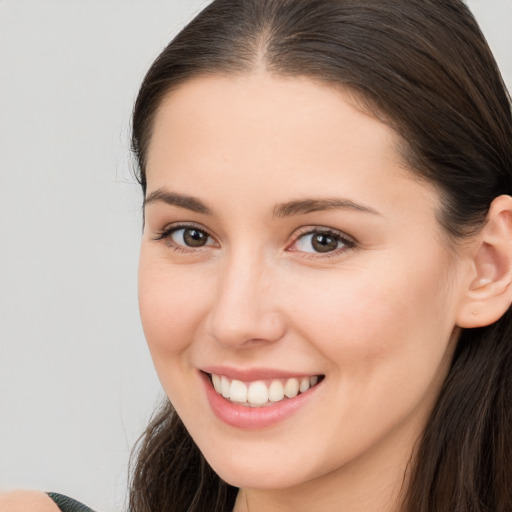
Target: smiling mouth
262 393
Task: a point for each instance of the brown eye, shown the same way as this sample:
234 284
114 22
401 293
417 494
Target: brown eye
194 237
323 242
189 237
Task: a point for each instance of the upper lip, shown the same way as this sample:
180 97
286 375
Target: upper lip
253 374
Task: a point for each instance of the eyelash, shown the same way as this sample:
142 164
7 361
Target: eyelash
346 241
167 232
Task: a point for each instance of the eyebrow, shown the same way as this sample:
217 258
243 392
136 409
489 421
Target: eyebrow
179 200
304 206
288 209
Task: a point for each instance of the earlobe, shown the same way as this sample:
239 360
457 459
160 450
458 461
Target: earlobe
489 293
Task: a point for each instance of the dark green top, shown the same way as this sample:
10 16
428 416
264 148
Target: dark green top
67 504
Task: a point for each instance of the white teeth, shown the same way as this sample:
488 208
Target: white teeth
304 384
216 383
238 391
258 393
224 386
291 388
276 391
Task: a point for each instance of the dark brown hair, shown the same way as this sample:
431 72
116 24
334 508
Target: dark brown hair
424 68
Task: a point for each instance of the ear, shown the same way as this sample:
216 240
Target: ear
489 293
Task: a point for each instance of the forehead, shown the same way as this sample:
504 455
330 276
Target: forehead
296 117
253 136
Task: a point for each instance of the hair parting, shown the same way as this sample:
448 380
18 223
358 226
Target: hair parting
425 69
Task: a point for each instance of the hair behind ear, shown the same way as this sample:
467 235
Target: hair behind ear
464 458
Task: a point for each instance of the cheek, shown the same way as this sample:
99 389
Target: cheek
385 321
171 303
386 341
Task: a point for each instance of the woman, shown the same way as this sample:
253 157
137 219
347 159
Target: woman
326 265
327 206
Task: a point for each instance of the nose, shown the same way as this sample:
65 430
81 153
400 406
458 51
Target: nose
246 310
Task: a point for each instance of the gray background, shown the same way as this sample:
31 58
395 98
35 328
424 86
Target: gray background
76 381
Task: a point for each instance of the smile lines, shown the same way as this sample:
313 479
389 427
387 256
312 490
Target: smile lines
259 393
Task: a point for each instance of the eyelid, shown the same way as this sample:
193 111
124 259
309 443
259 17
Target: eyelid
348 241
168 230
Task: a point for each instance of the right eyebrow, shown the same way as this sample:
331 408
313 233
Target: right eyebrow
304 206
179 200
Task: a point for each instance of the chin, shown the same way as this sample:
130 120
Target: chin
261 476
262 465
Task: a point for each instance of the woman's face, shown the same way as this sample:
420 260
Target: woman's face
286 246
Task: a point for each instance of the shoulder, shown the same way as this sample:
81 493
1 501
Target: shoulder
26 501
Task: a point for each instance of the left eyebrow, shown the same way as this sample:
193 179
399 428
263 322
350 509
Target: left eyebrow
179 200
304 206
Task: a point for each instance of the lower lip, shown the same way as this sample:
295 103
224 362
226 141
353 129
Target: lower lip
244 417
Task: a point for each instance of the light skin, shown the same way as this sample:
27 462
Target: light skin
259 166
378 317
26 501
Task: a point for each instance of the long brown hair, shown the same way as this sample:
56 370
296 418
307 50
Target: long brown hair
424 68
